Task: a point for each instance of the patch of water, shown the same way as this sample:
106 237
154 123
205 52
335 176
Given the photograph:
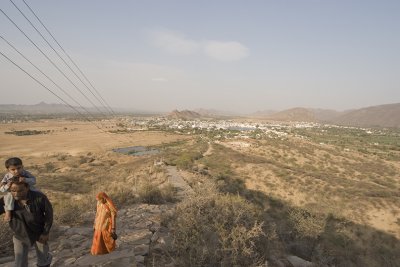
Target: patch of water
241 128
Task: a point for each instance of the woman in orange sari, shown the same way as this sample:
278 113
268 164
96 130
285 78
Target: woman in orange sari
104 225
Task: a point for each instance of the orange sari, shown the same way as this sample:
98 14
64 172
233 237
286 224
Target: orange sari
106 213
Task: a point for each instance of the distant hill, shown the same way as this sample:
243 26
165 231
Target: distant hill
183 115
214 113
380 116
294 114
326 115
383 115
45 108
262 113
41 107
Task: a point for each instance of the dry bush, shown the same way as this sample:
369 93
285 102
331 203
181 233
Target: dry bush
62 156
71 211
306 224
64 183
49 167
121 193
169 193
212 229
73 193
152 194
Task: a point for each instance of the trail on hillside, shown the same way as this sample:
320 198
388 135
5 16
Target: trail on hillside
209 150
179 183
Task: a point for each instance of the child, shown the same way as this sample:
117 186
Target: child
15 172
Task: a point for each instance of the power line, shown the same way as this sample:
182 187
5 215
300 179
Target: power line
36 80
50 60
44 38
66 93
48 31
40 83
60 98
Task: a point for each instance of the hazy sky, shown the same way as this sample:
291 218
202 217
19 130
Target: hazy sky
227 55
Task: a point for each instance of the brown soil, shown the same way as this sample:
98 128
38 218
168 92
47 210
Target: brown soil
71 137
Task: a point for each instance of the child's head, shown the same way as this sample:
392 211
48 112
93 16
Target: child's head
14 166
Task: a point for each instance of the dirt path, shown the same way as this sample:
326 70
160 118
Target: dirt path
209 150
178 182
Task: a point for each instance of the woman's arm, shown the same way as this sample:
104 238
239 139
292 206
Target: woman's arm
113 222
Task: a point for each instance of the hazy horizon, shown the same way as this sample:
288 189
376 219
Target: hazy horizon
225 55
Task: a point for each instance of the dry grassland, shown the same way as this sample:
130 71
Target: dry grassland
362 188
71 137
335 204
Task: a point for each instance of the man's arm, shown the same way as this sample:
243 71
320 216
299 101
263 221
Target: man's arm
48 214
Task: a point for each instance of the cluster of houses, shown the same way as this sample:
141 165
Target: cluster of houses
232 128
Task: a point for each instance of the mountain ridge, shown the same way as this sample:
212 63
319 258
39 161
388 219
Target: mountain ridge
385 115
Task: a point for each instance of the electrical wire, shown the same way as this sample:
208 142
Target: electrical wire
48 89
60 98
55 51
73 62
51 61
64 101
66 93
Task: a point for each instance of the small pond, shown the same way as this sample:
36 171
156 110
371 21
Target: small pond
137 150
241 128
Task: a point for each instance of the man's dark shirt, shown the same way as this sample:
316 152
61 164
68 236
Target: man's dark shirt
32 220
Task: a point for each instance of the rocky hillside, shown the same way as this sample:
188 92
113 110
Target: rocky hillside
383 116
375 116
214 113
380 116
294 114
